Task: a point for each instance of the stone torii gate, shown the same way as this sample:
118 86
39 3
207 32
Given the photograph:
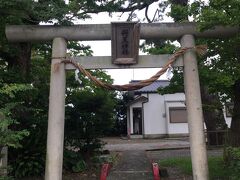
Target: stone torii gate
185 32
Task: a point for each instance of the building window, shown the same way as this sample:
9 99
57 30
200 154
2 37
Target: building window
178 115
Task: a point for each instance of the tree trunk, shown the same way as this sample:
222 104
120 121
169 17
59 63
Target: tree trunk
213 117
235 125
21 59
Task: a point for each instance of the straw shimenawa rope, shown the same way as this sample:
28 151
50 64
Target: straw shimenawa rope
201 49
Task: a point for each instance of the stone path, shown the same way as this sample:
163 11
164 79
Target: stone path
135 162
133 165
137 155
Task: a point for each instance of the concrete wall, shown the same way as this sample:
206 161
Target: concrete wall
154 120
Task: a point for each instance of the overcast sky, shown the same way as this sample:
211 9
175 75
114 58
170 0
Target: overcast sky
103 48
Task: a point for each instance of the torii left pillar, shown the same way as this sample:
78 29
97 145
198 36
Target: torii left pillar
55 136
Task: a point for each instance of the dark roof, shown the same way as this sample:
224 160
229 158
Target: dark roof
152 88
138 99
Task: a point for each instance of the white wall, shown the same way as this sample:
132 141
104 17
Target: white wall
154 111
156 114
227 119
175 100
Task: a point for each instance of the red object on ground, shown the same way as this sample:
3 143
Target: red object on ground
156 175
104 171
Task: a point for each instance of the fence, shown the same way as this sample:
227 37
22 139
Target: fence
216 137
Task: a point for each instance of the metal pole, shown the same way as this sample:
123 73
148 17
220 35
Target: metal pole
56 113
194 111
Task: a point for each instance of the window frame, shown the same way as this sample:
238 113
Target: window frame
177 108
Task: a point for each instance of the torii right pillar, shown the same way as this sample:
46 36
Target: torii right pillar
194 111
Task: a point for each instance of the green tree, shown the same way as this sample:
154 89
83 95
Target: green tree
120 124
89 114
8 136
225 54
32 115
30 63
212 107
219 74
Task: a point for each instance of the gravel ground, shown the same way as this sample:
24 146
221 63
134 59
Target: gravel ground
118 144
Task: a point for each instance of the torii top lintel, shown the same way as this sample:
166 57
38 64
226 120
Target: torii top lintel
88 32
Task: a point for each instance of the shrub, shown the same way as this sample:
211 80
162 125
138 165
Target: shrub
73 161
232 161
28 164
79 166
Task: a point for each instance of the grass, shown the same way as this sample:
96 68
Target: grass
215 164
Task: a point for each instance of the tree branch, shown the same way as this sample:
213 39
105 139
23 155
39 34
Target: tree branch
130 8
